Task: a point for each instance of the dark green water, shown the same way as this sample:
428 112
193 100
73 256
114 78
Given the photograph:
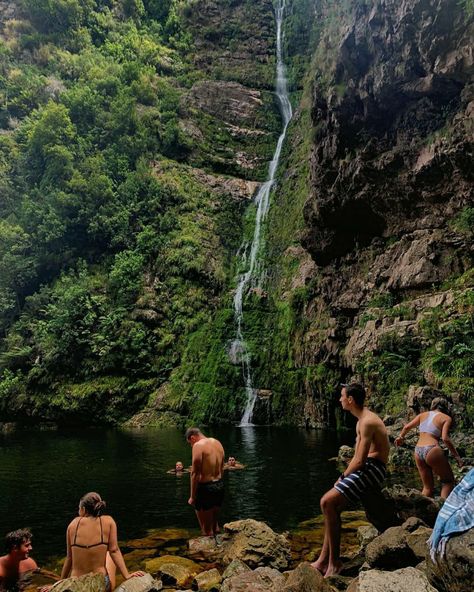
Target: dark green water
43 475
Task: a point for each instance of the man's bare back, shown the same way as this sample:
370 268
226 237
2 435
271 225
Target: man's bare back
211 455
207 486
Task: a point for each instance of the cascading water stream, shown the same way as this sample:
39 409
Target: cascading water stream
238 349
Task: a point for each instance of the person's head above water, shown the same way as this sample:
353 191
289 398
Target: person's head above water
92 504
178 466
352 394
19 541
231 462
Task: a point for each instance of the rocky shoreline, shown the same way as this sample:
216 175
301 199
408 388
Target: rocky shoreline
250 557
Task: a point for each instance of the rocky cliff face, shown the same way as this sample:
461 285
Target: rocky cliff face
388 219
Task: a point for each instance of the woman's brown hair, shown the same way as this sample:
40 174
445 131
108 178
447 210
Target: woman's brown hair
92 503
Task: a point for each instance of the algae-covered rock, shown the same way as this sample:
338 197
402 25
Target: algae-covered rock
174 571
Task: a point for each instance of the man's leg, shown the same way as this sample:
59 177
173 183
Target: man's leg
205 518
332 504
215 522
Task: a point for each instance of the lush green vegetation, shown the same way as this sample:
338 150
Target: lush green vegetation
113 249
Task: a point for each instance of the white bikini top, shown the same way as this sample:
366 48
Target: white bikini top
428 426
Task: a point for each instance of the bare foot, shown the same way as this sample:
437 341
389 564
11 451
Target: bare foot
333 569
320 566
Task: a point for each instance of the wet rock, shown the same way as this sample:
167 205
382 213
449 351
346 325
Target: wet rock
306 579
263 579
408 579
256 544
174 571
144 583
208 581
454 572
345 454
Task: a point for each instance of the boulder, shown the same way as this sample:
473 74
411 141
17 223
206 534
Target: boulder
208 581
86 583
263 579
390 550
345 454
408 579
454 572
397 505
144 583
418 541
206 548
235 567
256 544
366 534
173 570
306 579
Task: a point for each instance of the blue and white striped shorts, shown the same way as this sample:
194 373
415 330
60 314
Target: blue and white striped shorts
369 478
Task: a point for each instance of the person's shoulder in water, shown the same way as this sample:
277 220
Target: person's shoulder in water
233 464
178 469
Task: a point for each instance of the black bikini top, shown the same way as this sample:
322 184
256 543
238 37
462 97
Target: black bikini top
102 542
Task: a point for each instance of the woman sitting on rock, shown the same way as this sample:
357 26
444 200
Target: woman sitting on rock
434 426
92 544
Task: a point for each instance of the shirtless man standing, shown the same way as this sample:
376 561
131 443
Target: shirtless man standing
363 476
207 487
17 562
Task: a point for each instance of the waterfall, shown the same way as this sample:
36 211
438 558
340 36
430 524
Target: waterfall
238 351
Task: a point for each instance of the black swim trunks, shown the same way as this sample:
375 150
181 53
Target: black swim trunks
209 495
367 479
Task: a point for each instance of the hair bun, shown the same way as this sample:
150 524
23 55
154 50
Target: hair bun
100 507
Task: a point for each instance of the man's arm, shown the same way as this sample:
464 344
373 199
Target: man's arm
196 470
366 435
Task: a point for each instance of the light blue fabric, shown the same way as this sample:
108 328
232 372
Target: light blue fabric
456 515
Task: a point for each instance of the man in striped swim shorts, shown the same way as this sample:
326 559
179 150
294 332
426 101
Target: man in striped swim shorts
363 476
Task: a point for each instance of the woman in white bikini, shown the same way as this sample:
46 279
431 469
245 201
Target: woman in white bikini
434 426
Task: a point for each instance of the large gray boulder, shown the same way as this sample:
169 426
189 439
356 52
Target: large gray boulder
408 579
263 579
256 544
454 572
391 549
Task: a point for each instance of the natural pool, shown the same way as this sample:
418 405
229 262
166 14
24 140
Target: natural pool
44 473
